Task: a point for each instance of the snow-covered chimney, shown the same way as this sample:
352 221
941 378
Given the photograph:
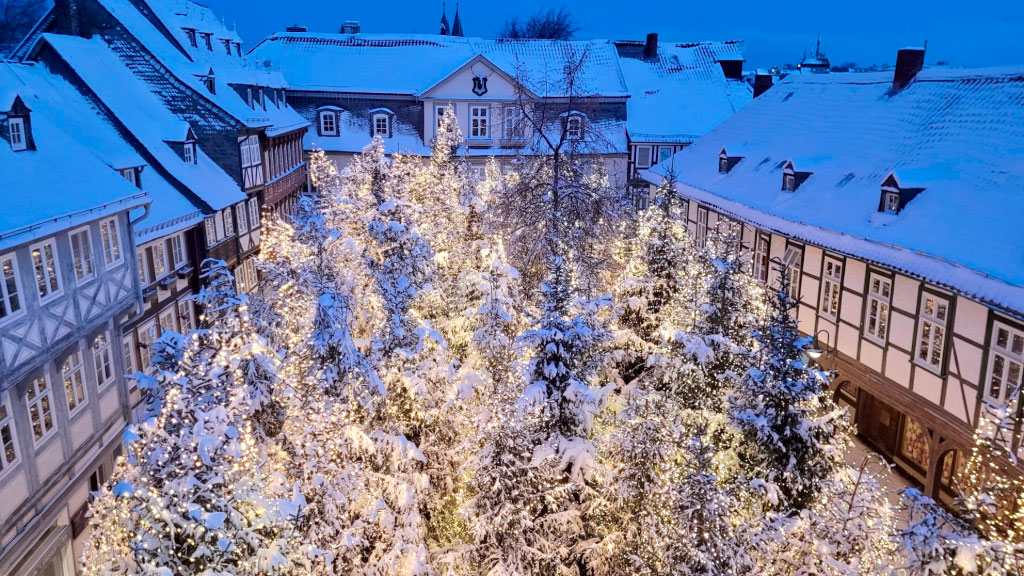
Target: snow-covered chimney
909 62
651 46
350 27
763 80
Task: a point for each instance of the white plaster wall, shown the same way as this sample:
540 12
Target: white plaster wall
956 396
901 330
49 459
853 278
905 294
971 320
897 367
927 385
967 358
13 493
851 307
871 355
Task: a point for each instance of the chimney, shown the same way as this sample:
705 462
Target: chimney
295 28
66 17
909 62
651 46
762 82
350 27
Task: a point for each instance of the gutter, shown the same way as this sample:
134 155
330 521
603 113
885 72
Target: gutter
126 203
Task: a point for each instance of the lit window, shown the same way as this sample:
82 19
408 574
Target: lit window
81 253
177 250
16 127
11 302
514 126
229 222
931 331
439 113
102 359
73 372
643 156
328 124
8 449
1007 358
831 287
478 121
40 408
793 261
574 127
701 234
159 259
111 241
44 262
761 258
891 202
876 322
380 125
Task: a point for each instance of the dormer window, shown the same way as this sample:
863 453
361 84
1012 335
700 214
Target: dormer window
238 49
891 202
792 178
131 175
191 33
328 122
18 136
210 83
898 191
789 182
227 45
189 152
208 40
726 162
381 125
574 127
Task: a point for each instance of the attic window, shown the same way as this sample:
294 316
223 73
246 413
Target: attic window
131 175
208 39
191 33
238 49
891 202
328 123
210 83
189 152
726 162
792 178
227 45
894 196
381 125
789 182
574 127
18 135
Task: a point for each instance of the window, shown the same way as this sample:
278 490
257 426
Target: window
380 125
723 164
227 45
11 302
208 40
129 354
478 117
1007 358
186 315
643 156
81 253
574 127
211 83
211 231
189 152
789 182
243 224
147 335
250 149
111 241
831 286
254 213
129 175
440 111
761 244
177 250
44 262
701 234
73 372
931 331
514 129
40 408
876 321
793 261
140 261
238 49
168 320
664 153
191 37
229 222
328 124
16 127
159 259
8 450
891 202
102 359
245 276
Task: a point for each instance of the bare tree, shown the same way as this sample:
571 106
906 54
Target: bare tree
545 25
16 19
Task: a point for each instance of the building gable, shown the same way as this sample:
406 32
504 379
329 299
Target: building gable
479 78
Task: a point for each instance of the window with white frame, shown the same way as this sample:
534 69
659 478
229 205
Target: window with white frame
250 151
40 408
701 233
186 314
168 319
643 156
128 341
16 130
793 261
664 153
147 335
229 222
243 222
111 241
73 373
789 182
159 259
1006 362
876 317
933 315
211 231
328 124
10 304
479 126
8 447
831 288
574 127
380 125
177 250
761 244
514 127
129 175
891 202
102 359
140 262
245 276
81 253
254 213
44 263
189 153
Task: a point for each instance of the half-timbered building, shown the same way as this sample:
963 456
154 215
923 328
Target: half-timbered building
66 280
894 200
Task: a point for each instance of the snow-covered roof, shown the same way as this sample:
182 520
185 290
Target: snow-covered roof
412 63
958 134
145 116
682 93
165 37
63 181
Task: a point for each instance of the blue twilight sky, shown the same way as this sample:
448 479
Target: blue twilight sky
965 33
